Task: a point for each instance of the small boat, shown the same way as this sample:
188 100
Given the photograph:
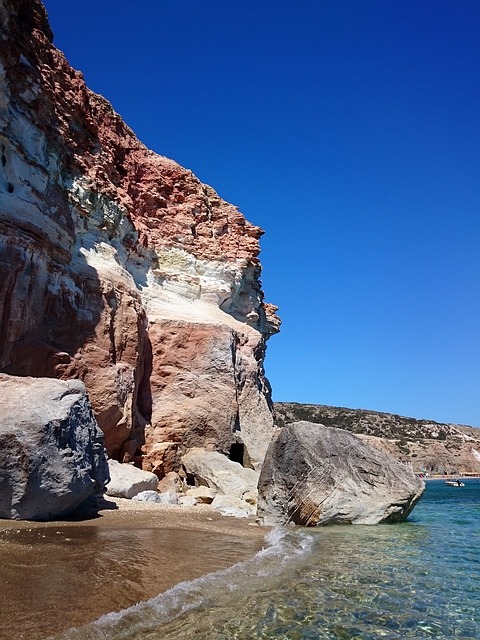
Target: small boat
454 483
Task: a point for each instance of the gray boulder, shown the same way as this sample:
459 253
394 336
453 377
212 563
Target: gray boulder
126 481
51 449
316 475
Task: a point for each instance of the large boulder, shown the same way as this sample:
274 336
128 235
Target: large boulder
315 475
126 481
214 470
51 450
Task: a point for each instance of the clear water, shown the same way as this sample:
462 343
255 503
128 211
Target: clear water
419 579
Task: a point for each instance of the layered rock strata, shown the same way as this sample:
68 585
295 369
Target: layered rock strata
120 268
52 457
315 475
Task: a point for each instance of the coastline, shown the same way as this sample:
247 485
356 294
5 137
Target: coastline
470 476
114 512
65 573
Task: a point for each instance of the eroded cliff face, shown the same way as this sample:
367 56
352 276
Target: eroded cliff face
118 267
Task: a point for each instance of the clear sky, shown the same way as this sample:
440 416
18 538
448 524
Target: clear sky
350 131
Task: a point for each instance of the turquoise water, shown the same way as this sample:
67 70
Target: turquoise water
419 579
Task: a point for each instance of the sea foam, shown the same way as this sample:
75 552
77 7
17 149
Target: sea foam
283 547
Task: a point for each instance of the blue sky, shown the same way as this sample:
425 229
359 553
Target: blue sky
350 131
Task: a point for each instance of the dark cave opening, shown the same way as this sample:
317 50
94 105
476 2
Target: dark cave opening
237 452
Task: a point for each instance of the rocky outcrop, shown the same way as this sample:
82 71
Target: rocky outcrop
425 445
51 450
120 268
315 475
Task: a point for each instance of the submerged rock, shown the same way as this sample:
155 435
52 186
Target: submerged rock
314 475
51 450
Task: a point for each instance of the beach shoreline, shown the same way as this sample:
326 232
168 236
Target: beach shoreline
113 512
453 477
65 573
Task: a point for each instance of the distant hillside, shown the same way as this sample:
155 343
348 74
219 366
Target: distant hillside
426 445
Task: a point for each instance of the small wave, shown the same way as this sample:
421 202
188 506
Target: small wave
285 546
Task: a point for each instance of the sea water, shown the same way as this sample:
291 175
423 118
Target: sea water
419 579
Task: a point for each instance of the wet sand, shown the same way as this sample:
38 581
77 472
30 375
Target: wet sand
61 574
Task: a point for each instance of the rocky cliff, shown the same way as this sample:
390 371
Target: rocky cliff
425 445
120 268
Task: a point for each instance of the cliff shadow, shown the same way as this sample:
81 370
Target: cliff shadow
48 310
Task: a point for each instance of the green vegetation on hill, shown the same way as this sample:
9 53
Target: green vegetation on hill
362 421
425 445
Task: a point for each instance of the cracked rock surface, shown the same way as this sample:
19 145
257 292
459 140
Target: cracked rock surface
316 475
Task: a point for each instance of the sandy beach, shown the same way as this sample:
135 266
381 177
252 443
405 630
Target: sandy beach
56 575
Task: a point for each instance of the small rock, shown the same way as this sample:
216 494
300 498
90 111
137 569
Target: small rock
231 506
171 483
154 496
187 501
202 494
147 496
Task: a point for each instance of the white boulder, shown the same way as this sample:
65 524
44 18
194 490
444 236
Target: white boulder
216 471
158 498
126 481
231 506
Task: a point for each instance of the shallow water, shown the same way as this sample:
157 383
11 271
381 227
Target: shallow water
419 579
56 576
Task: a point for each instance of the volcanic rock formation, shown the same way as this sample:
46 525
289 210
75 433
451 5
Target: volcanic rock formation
119 268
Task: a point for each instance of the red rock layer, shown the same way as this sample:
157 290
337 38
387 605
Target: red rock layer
167 203
87 216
